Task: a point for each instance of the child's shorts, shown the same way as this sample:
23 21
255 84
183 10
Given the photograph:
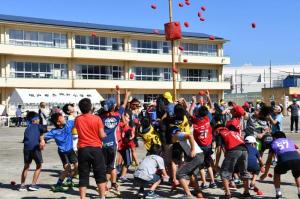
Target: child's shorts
110 156
126 156
138 182
68 157
35 155
284 167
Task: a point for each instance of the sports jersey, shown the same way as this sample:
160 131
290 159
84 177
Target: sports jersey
202 130
284 149
111 122
124 141
231 139
150 136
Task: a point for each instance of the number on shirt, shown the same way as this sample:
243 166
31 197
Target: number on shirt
282 145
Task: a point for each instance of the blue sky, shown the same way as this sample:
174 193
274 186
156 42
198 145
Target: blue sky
276 37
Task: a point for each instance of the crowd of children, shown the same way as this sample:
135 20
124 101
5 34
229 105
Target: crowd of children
180 139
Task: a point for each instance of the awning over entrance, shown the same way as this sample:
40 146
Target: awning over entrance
54 96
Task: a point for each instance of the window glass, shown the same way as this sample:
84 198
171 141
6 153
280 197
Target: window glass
199 75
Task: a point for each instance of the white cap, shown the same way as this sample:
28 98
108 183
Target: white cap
250 139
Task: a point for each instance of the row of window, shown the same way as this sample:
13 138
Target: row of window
59 40
107 72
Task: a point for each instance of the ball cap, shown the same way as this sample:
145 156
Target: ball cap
168 96
250 139
238 111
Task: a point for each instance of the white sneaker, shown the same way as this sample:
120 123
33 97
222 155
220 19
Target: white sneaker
23 188
33 188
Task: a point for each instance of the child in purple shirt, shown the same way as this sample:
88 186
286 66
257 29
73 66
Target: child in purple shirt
288 158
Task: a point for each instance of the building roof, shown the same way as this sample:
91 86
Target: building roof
71 24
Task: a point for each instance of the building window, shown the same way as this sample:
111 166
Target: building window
200 49
38 70
41 39
152 47
99 72
199 75
152 74
99 43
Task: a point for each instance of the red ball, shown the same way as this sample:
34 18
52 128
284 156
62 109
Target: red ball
212 37
185 60
259 193
177 23
153 6
186 24
12 182
180 4
201 93
187 3
202 19
199 14
295 95
117 87
94 34
203 8
253 25
131 76
181 48
174 69
270 175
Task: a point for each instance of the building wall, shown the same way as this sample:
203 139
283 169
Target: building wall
128 59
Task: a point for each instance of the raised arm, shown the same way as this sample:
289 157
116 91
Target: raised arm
192 106
127 94
208 98
118 97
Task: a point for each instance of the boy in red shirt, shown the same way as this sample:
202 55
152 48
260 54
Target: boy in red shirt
90 134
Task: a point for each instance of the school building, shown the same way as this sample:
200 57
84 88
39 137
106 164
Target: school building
41 54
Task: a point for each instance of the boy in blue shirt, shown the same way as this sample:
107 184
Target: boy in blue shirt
62 134
33 144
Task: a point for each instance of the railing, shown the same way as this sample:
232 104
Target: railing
33 43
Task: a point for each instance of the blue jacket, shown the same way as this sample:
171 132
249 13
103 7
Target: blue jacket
62 136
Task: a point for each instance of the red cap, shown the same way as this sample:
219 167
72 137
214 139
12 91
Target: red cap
233 122
131 76
202 19
253 24
186 24
246 105
212 37
238 111
153 6
181 48
180 4
203 8
185 60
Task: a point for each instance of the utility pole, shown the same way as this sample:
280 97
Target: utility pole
235 81
241 83
264 78
270 74
294 77
173 52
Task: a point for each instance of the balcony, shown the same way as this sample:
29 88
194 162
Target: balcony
35 51
35 83
204 85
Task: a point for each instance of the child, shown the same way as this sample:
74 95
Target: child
111 120
126 143
253 159
288 158
235 154
62 134
148 133
33 144
146 172
90 134
203 136
194 159
69 110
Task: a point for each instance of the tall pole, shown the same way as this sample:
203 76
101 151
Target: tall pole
235 80
264 78
241 83
173 52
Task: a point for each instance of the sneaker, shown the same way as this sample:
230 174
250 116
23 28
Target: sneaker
23 188
279 195
246 195
237 181
204 186
115 190
58 189
33 187
141 195
213 185
151 195
69 184
299 195
123 179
